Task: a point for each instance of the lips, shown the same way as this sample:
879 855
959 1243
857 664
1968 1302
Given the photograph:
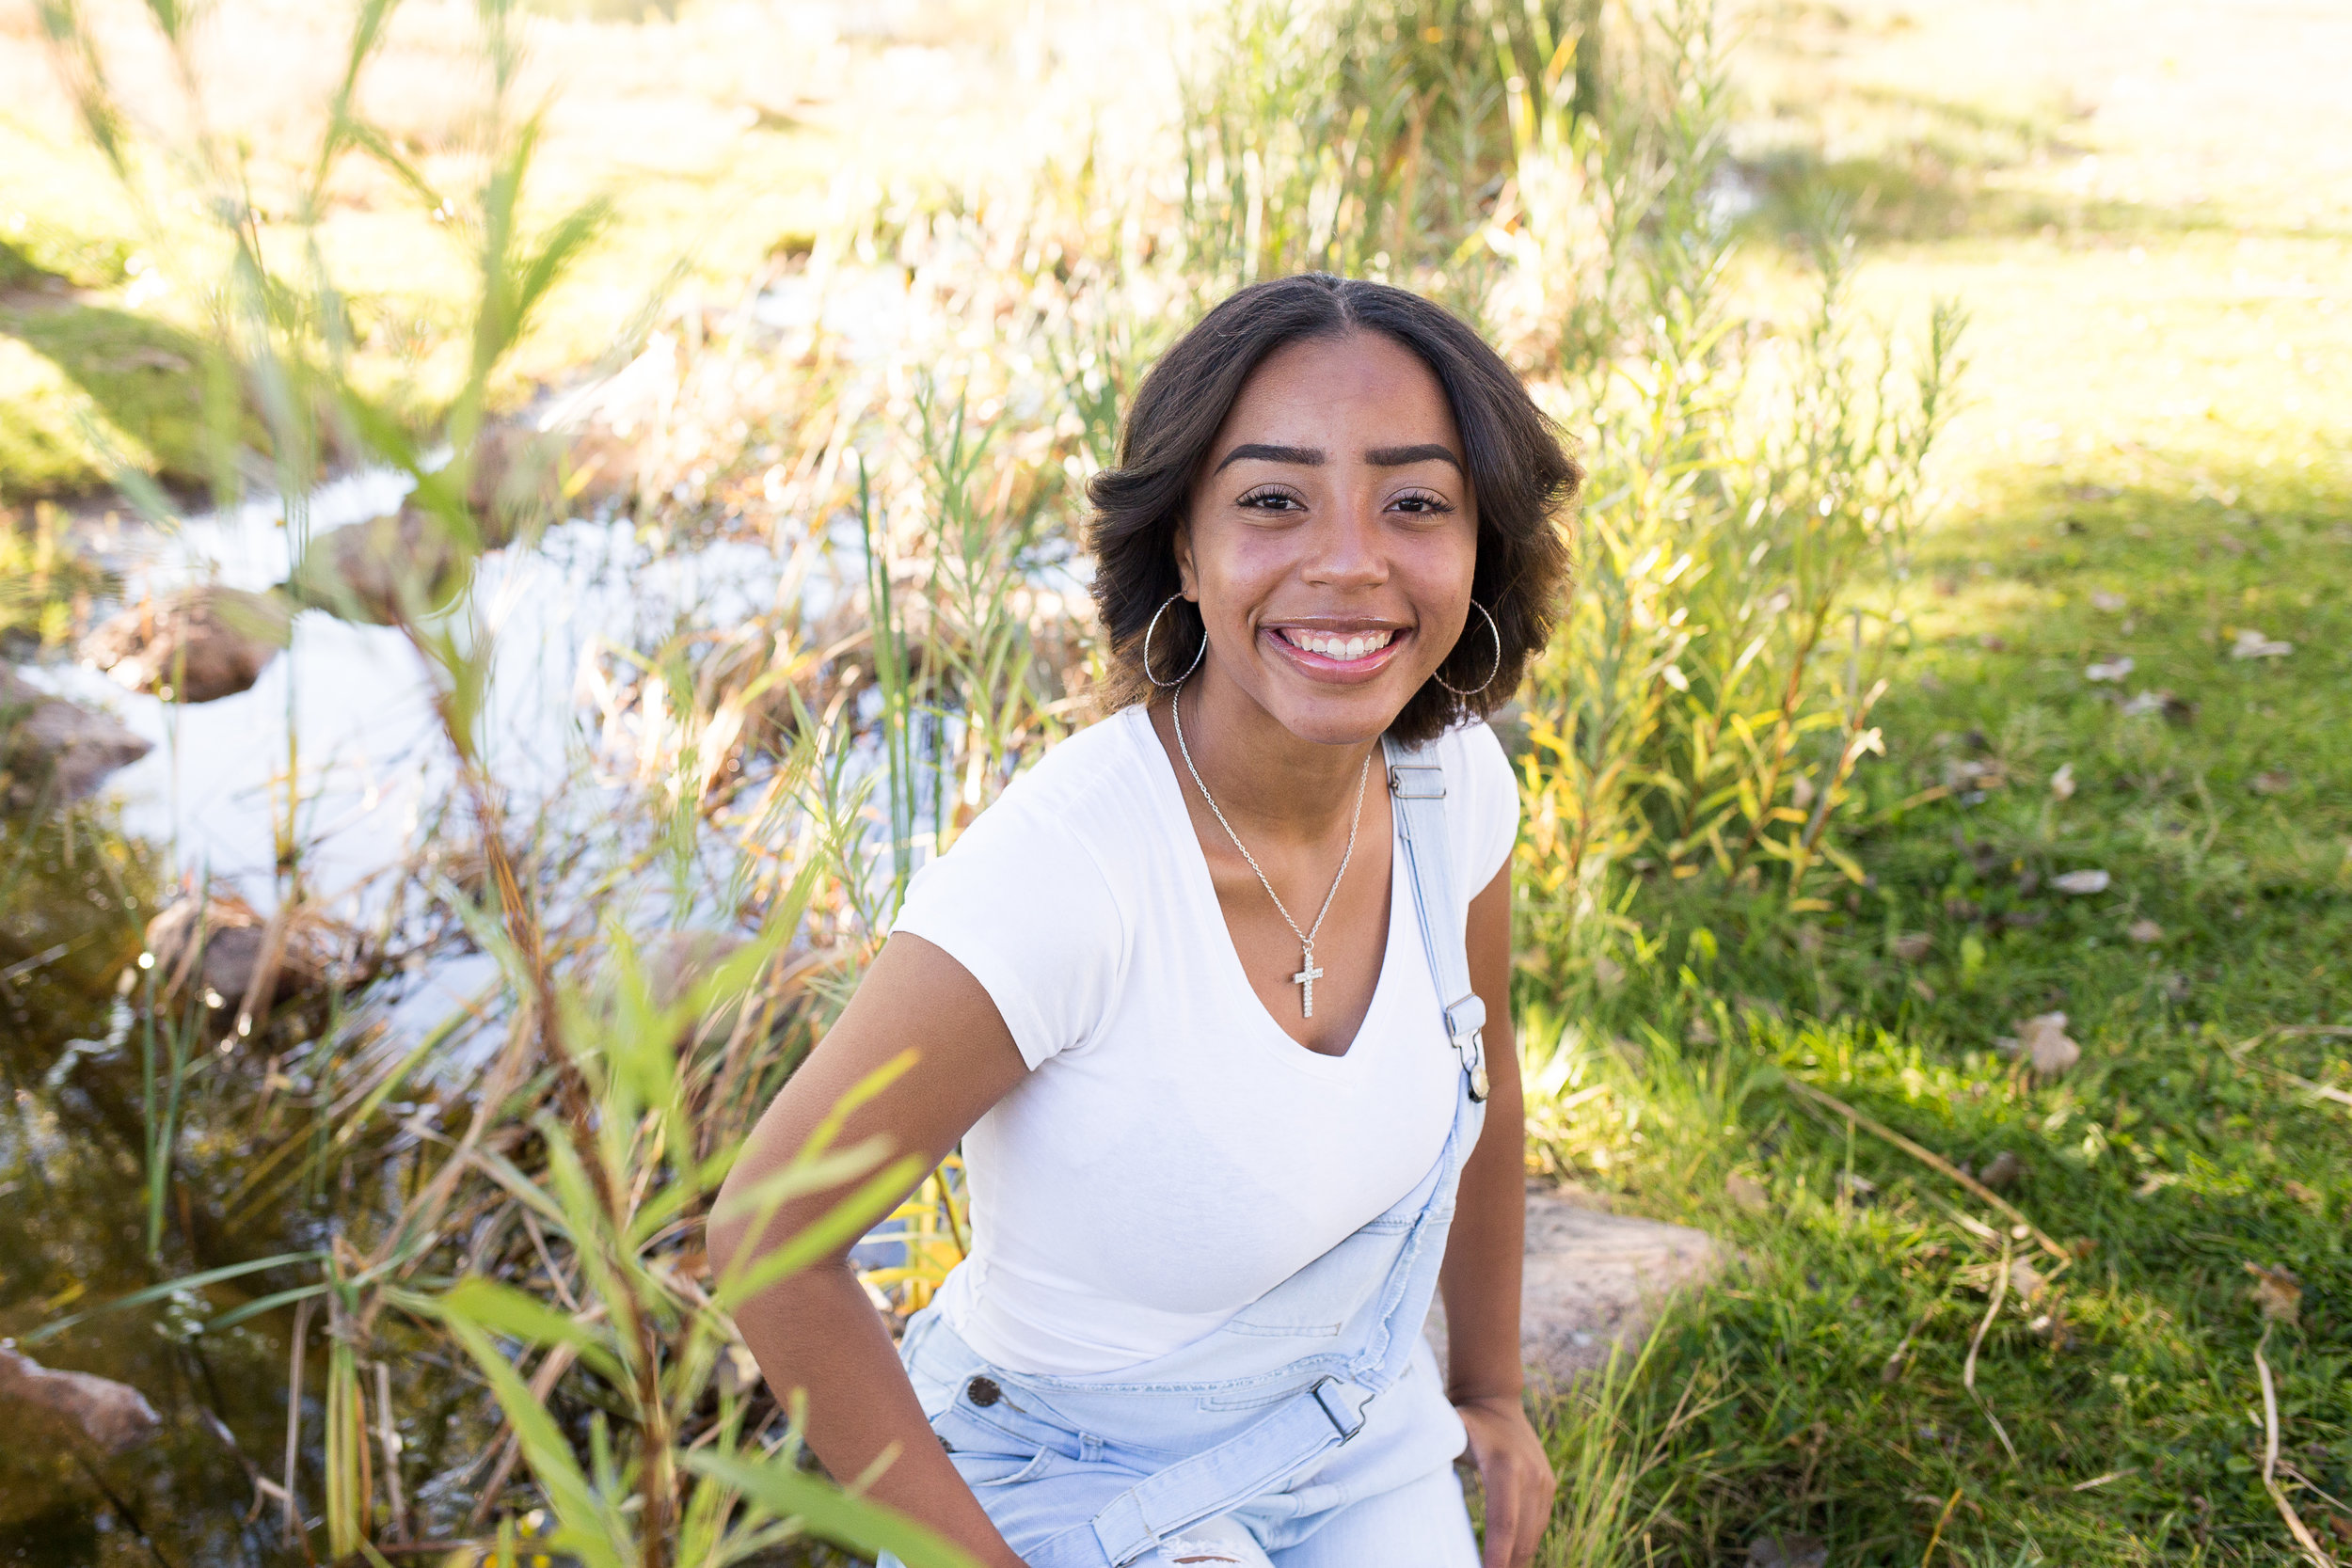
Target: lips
1343 654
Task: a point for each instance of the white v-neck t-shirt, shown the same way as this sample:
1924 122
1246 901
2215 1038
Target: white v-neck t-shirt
1172 1155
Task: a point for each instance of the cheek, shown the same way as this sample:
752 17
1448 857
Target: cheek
1237 568
1441 566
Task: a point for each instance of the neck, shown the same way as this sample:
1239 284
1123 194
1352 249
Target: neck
1261 771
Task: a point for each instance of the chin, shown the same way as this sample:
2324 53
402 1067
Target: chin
1328 717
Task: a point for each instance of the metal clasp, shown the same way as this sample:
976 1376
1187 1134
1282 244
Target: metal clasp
1413 789
1339 1415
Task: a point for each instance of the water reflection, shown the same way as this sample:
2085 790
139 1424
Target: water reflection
349 709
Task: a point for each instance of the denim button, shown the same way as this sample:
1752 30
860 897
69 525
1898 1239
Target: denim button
983 1391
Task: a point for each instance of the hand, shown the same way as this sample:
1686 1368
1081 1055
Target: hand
1517 1474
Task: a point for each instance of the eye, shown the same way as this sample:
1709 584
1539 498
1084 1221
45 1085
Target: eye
1421 504
1269 500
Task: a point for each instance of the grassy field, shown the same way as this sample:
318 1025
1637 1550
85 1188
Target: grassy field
2152 470
1985 1311
1820 1391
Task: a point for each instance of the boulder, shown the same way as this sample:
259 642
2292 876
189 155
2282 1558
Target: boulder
196 645
223 945
381 571
114 1415
50 745
1593 1282
523 479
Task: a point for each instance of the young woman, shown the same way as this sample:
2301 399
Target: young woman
1201 1001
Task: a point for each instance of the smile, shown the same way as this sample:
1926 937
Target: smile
1341 647
1342 655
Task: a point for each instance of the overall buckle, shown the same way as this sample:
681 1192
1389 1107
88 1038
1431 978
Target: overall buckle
1406 788
1338 1413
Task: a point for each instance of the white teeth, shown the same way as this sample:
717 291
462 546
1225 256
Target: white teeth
1343 648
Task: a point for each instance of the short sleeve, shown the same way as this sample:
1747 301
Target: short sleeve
1027 912
1489 824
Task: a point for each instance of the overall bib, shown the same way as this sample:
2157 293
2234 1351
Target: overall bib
1320 1393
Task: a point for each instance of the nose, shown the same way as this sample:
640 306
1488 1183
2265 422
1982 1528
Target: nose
1345 548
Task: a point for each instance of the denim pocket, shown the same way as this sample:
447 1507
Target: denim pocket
981 1471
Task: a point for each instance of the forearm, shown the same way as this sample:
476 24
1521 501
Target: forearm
1486 1252
817 1334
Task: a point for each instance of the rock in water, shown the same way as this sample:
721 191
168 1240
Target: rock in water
522 480
223 945
1593 1281
49 744
381 571
195 646
112 1415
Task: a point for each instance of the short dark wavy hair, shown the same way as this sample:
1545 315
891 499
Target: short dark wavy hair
1523 480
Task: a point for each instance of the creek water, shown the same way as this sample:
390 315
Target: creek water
348 709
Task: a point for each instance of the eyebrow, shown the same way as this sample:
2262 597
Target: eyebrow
1313 457
1400 457
1308 457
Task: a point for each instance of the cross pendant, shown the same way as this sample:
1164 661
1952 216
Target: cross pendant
1306 977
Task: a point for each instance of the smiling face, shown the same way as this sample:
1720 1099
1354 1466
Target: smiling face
1331 537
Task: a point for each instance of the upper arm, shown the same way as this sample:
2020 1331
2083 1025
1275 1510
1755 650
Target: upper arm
1489 829
1489 942
913 998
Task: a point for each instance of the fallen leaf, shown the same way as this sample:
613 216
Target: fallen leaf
1788 1551
1608 971
2254 644
1747 1191
2041 1040
2277 1292
2081 881
1912 946
2062 782
2144 931
2114 670
2302 1194
2050 1326
2001 1171
2114 604
2175 709
2271 782
1700 1032
2025 1279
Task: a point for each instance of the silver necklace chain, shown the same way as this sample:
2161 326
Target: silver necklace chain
1308 973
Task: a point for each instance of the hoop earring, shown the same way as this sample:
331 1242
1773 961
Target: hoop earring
1493 631
1155 625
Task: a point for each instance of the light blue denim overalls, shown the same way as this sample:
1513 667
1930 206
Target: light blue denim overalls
1321 1393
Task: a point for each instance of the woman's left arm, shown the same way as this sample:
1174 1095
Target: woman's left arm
1483 1261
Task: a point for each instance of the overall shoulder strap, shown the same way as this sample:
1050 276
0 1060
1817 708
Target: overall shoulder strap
1417 783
